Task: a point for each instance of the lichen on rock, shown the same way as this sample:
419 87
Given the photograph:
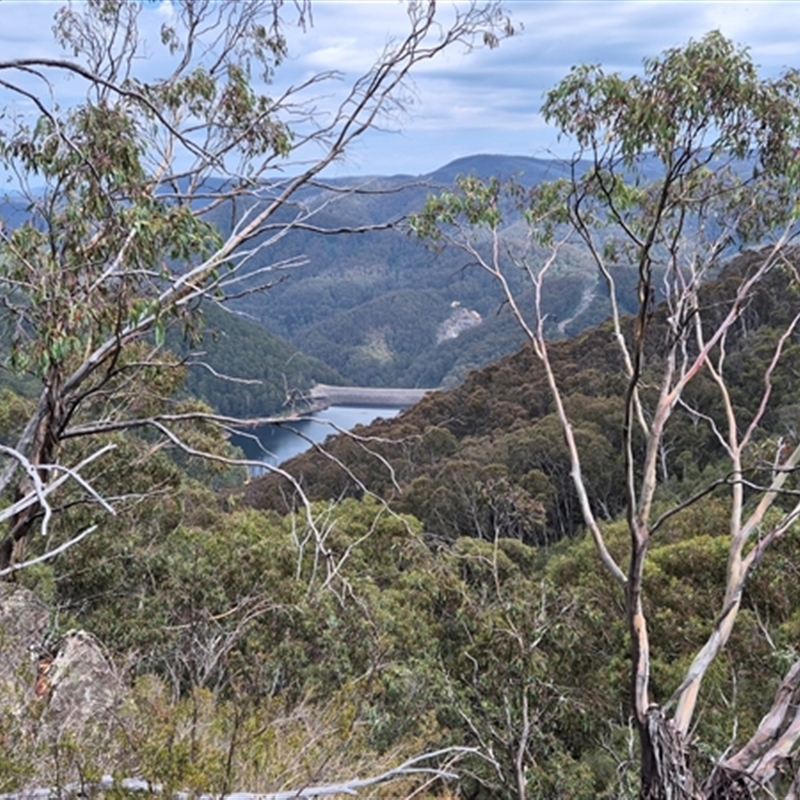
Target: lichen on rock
74 678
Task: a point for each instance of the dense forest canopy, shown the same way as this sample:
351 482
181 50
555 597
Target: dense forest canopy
665 418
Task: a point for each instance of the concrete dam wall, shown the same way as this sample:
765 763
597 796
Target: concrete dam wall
323 395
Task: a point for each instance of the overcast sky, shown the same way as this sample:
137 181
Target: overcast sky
486 101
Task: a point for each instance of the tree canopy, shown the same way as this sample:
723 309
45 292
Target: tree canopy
688 163
125 191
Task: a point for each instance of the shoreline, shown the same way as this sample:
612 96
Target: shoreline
323 396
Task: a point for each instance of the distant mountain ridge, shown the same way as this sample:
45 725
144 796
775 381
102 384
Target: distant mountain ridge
369 308
528 170
370 304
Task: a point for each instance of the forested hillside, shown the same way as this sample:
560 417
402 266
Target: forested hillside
369 304
242 371
571 575
488 459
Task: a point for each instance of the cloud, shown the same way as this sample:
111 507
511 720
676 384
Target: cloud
466 102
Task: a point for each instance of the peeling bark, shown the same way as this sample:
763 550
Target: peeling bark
666 773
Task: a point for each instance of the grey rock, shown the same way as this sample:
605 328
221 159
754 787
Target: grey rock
23 625
82 684
460 320
74 679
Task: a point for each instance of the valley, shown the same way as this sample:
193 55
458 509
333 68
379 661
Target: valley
477 484
382 309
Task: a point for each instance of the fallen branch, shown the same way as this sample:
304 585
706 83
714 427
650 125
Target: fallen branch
350 788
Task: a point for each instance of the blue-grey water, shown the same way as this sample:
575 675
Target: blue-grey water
274 444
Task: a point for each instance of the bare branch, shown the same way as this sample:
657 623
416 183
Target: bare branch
50 553
411 768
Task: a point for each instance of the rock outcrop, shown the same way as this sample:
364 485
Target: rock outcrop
78 682
23 626
74 678
460 320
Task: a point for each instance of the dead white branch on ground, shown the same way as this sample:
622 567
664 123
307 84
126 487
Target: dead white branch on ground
414 767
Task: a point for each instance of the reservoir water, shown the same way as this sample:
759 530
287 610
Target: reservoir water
274 444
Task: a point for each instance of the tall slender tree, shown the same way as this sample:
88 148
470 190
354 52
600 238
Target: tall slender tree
148 195
677 169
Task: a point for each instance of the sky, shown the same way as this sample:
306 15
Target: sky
488 101
483 101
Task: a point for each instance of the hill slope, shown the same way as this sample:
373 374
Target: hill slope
359 289
490 452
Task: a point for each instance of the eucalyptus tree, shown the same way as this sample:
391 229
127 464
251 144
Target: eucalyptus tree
141 195
676 170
